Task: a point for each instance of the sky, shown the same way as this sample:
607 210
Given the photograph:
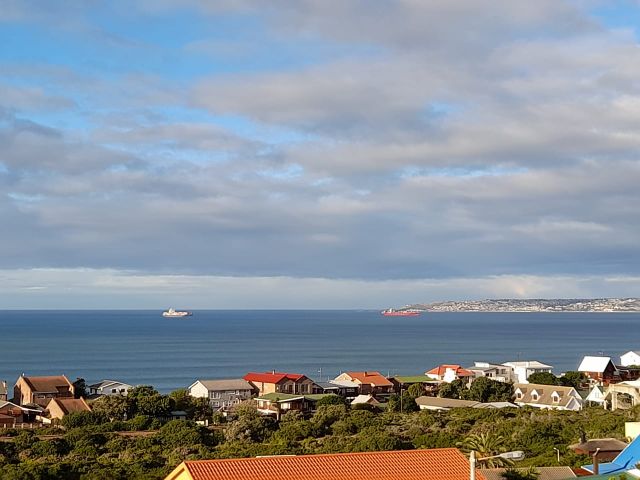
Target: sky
317 153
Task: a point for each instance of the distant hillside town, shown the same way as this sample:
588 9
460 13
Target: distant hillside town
533 305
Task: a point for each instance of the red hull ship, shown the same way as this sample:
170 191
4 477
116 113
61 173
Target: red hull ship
400 313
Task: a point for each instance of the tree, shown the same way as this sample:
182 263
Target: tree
115 407
404 403
572 379
543 378
416 390
79 388
331 400
454 389
486 445
484 390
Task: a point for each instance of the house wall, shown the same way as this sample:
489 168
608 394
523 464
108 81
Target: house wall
630 358
198 390
120 389
224 399
55 412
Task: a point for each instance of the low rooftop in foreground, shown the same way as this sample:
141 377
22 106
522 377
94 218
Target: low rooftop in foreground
434 464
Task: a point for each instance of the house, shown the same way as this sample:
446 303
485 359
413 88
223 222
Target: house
57 408
277 404
277 382
596 395
523 370
12 414
373 383
449 373
625 460
599 370
630 359
434 464
3 391
365 400
429 386
223 395
500 373
443 404
547 396
40 390
607 448
622 395
346 388
109 387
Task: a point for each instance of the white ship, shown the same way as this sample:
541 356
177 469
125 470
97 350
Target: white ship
176 313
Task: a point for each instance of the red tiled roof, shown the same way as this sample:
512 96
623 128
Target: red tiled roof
271 377
370 378
434 464
48 384
441 369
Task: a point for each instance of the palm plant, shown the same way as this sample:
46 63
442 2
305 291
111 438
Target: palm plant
486 445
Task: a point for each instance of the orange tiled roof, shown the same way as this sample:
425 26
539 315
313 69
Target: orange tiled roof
370 378
434 464
441 370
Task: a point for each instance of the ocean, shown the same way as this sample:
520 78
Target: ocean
142 347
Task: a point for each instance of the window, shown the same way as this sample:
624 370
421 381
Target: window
113 390
555 397
519 395
534 397
216 404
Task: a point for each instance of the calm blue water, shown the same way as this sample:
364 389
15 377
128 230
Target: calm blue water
143 347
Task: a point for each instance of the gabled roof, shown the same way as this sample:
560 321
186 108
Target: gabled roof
545 394
69 405
3 387
225 384
365 399
435 464
370 378
108 383
594 364
49 384
272 377
440 370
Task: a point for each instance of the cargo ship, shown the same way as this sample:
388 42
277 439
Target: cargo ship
175 313
390 312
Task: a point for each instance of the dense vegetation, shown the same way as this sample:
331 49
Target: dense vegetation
97 446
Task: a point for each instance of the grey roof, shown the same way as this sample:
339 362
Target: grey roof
545 473
439 402
226 384
105 383
327 385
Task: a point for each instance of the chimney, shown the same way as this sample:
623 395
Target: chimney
273 372
596 464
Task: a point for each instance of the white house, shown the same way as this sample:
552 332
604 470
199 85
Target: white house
501 373
596 395
630 358
547 396
523 370
109 387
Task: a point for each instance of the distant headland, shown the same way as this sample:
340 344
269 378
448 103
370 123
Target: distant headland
532 305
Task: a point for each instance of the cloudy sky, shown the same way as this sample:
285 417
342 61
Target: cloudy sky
317 153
